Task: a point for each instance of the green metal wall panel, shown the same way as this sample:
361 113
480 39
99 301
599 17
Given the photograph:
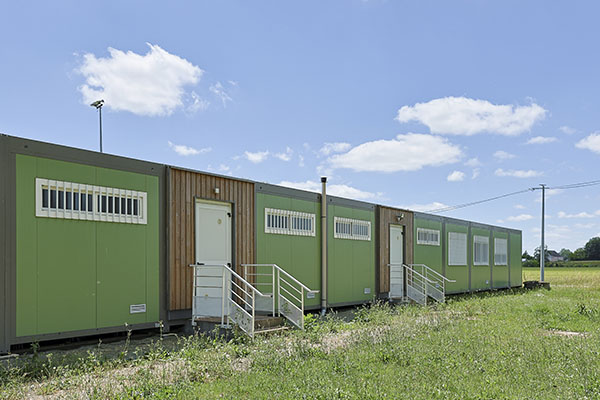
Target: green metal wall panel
459 273
499 272
300 256
66 276
480 274
74 274
516 272
429 255
350 263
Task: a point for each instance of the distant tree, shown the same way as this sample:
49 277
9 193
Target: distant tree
526 256
592 249
578 254
566 253
537 252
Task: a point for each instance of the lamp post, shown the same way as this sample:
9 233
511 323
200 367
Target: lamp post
98 104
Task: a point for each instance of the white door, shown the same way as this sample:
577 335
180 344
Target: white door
396 259
213 247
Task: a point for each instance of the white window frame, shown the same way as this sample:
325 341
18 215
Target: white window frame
289 228
457 256
96 214
500 244
481 240
428 242
350 232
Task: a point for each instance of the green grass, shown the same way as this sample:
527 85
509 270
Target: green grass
510 344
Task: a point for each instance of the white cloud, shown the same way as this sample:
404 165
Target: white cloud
221 169
464 116
583 214
151 84
218 90
520 217
456 176
519 206
198 103
256 157
567 130
224 169
301 161
473 162
333 189
518 173
286 156
183 150
503 155
338 147
409 152
585 226
541 140
592 142
425 207
475 173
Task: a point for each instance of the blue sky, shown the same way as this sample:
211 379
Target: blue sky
415 104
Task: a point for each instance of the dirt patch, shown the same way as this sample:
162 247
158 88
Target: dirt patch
566 333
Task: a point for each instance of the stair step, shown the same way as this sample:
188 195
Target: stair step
264 322
272 330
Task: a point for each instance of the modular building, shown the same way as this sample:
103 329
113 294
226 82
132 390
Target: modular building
82 242
92 243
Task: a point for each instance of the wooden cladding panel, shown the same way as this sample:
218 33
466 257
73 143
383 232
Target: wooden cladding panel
389 216
185 187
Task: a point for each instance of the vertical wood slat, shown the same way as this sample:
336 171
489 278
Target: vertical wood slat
388 216
185 187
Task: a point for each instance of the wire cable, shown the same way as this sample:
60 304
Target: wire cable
562 187
452 208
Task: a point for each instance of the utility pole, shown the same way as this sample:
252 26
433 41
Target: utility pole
98 104
542 249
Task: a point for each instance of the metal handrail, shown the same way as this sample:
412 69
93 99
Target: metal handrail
247 295
285 285
303 286
433 271
428 282
414 271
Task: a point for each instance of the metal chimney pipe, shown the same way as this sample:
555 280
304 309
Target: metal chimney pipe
323 245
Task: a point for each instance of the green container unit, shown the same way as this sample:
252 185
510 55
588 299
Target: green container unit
516 268
298 255
350 255
74 273
500 264
457 265
448 246
429 241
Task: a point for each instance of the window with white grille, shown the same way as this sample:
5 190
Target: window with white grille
347 228
287 222
68 200
457 248
481 250
500 251
428 236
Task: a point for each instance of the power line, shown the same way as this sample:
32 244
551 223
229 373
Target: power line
562 187
451 208
576 185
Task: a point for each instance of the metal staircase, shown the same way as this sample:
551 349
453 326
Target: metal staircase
256 302
417 282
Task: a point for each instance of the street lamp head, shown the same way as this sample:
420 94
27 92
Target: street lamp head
97 103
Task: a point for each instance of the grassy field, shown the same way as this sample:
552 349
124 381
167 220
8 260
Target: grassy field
508 344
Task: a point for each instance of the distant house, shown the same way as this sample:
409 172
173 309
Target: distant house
554 256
